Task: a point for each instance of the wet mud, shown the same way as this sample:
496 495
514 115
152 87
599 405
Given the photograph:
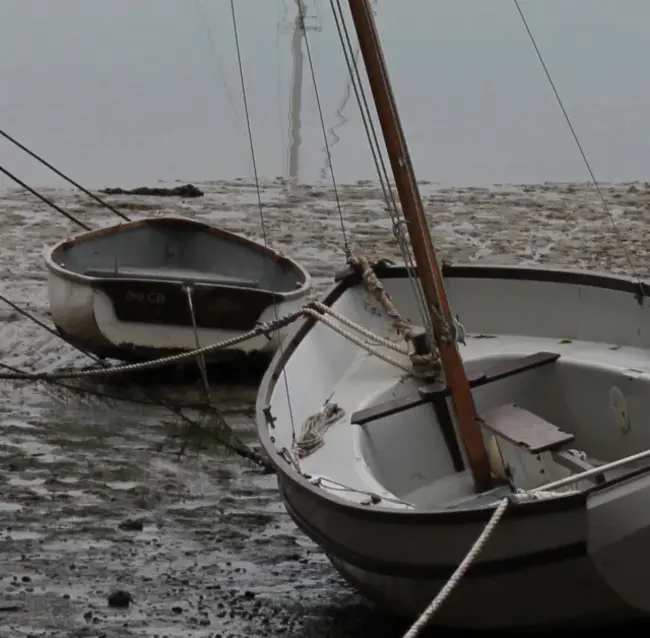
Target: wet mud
94 499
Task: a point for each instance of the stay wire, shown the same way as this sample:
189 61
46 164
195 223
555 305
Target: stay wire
348 252
375 149
44 199
38 158
259 194
175 410
606 208
155 400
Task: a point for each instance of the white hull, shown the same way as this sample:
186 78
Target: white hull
87 316
120 291
575 558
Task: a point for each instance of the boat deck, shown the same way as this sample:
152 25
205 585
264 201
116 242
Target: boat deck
370 379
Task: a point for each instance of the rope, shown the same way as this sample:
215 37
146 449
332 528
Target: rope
228 343
320 481
360 329
581 150
44 199
163 361
456 577
38 158
402 326
313 429
200 358
520 496
426 365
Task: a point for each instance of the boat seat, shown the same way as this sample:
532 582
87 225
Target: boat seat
477 376
525 429
180 275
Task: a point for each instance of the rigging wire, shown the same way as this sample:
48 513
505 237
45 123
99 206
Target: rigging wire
244 451
100 394
44 199
203 20
160 402
348 252
351 59
38 158
259 193
606 208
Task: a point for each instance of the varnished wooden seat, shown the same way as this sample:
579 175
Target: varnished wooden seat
476 377
525 429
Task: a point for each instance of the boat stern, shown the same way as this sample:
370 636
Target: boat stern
619 538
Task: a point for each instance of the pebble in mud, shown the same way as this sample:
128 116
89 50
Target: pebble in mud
119 598
215 541
132 525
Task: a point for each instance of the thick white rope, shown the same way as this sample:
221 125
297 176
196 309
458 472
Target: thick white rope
550 490
229 343
360 329
358 341
456 577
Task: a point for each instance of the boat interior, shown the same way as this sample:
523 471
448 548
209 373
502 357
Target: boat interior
558 393
175 249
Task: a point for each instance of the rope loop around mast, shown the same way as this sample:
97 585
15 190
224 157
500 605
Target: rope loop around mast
426 365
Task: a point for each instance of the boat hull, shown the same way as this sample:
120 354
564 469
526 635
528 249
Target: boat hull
566 560
157 286
402 562
86 315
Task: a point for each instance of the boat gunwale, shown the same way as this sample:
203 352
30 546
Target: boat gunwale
482 568
348 278
80 238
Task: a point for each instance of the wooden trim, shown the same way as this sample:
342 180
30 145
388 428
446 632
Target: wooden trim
172 222
476 379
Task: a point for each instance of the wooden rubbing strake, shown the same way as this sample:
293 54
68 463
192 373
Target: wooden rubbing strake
525 429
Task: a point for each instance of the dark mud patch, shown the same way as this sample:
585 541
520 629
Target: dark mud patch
186 191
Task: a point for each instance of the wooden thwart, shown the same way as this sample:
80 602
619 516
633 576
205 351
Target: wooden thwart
525 429
575 464
477 377
171 274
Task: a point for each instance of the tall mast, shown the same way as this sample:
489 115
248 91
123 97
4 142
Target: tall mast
423 251
296 93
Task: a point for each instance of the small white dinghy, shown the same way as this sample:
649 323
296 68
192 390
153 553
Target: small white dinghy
522 457
389 496
137 290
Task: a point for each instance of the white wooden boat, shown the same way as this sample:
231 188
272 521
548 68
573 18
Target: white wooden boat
577 556
124 291
395 476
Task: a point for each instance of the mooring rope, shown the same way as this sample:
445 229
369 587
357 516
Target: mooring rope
548 491
262 329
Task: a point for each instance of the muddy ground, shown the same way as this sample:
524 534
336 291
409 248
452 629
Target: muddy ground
94 498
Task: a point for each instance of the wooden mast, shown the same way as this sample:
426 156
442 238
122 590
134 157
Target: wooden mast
423 251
